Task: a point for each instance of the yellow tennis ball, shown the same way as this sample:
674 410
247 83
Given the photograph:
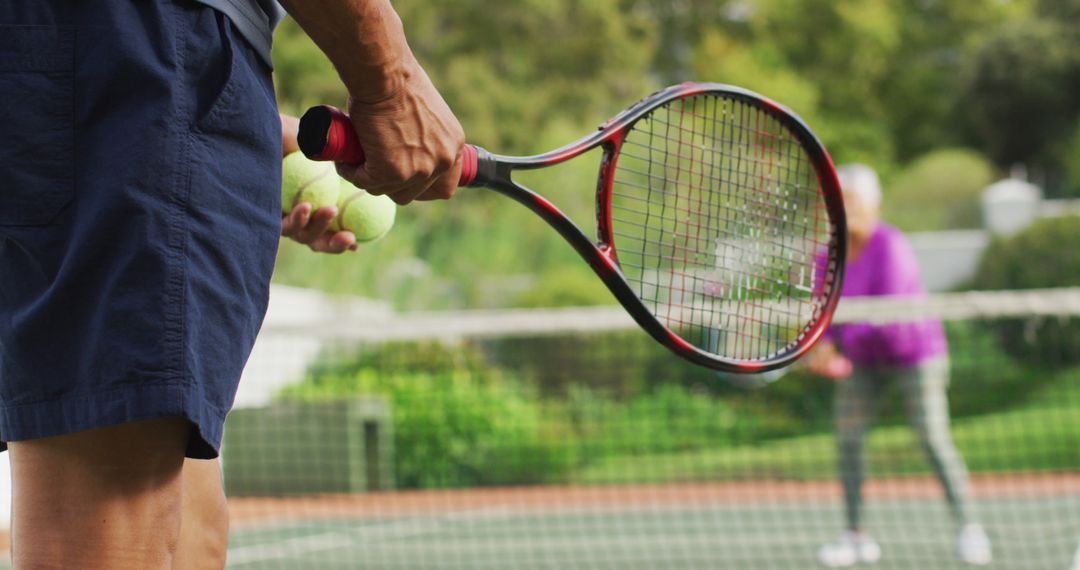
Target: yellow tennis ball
304 180
369 217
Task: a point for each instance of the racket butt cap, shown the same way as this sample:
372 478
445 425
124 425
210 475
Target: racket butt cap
326 133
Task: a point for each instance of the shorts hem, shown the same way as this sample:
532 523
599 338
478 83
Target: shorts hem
132 403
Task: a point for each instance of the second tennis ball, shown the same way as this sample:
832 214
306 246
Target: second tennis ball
304 180
369 217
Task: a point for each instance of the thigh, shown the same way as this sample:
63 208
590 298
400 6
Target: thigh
100 498
925 399
857 400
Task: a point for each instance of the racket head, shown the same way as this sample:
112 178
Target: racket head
723 213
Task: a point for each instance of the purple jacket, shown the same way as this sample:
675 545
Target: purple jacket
887 266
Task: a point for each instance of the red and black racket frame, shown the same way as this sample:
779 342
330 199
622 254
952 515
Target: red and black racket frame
326 134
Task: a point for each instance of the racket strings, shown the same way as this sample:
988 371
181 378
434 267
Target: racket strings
720 225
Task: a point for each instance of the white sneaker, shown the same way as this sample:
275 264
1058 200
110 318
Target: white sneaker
850 549
973 546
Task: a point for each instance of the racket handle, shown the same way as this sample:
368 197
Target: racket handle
327 133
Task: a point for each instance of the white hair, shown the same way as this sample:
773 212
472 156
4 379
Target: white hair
861 181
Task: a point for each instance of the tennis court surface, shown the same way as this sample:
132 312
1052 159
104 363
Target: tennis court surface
756 525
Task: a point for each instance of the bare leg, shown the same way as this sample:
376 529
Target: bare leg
101 498
204 532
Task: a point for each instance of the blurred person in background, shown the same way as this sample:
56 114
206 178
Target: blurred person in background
866 359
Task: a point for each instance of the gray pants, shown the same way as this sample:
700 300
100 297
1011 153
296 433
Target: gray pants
927 409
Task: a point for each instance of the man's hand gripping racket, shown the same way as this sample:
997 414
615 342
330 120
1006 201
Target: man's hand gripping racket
720 222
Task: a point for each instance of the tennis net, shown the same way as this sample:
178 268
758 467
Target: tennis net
567 439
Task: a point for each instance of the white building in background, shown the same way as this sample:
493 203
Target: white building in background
281 358
1010 205
948 259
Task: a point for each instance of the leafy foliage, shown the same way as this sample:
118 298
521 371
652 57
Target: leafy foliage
939 191
885 82
574 286
456 422
459 420
1043 255
482 414
1021 90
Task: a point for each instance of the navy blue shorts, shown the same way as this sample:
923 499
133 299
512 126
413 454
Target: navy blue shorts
139 214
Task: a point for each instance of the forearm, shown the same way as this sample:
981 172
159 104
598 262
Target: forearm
364 40
412 142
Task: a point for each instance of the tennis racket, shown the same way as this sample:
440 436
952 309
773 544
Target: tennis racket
720 222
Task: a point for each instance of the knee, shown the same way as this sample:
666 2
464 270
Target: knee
848 438
215 532
937 446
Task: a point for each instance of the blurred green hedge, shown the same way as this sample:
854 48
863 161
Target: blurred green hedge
547 410
939 191
1046 254
459 421
456 429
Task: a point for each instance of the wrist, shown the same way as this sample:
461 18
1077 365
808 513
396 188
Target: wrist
380 86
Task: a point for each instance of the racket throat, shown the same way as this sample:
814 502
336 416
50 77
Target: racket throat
607 251
489 171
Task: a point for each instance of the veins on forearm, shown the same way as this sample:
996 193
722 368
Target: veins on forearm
365 41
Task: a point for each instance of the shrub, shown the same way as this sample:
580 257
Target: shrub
939 191
454 426
1070 157
392 357
1046 254
668 419
573 286
615 363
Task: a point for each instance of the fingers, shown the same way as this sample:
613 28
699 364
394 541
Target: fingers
305 226
334 242
825 361
289 127
412 143
836 367
446 185
340 242
403 186
840 368
313 229
401 192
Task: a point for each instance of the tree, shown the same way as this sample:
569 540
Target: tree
923 91
1021 94
508 68
682 25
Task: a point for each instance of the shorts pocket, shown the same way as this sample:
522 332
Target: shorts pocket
36 123
215 70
